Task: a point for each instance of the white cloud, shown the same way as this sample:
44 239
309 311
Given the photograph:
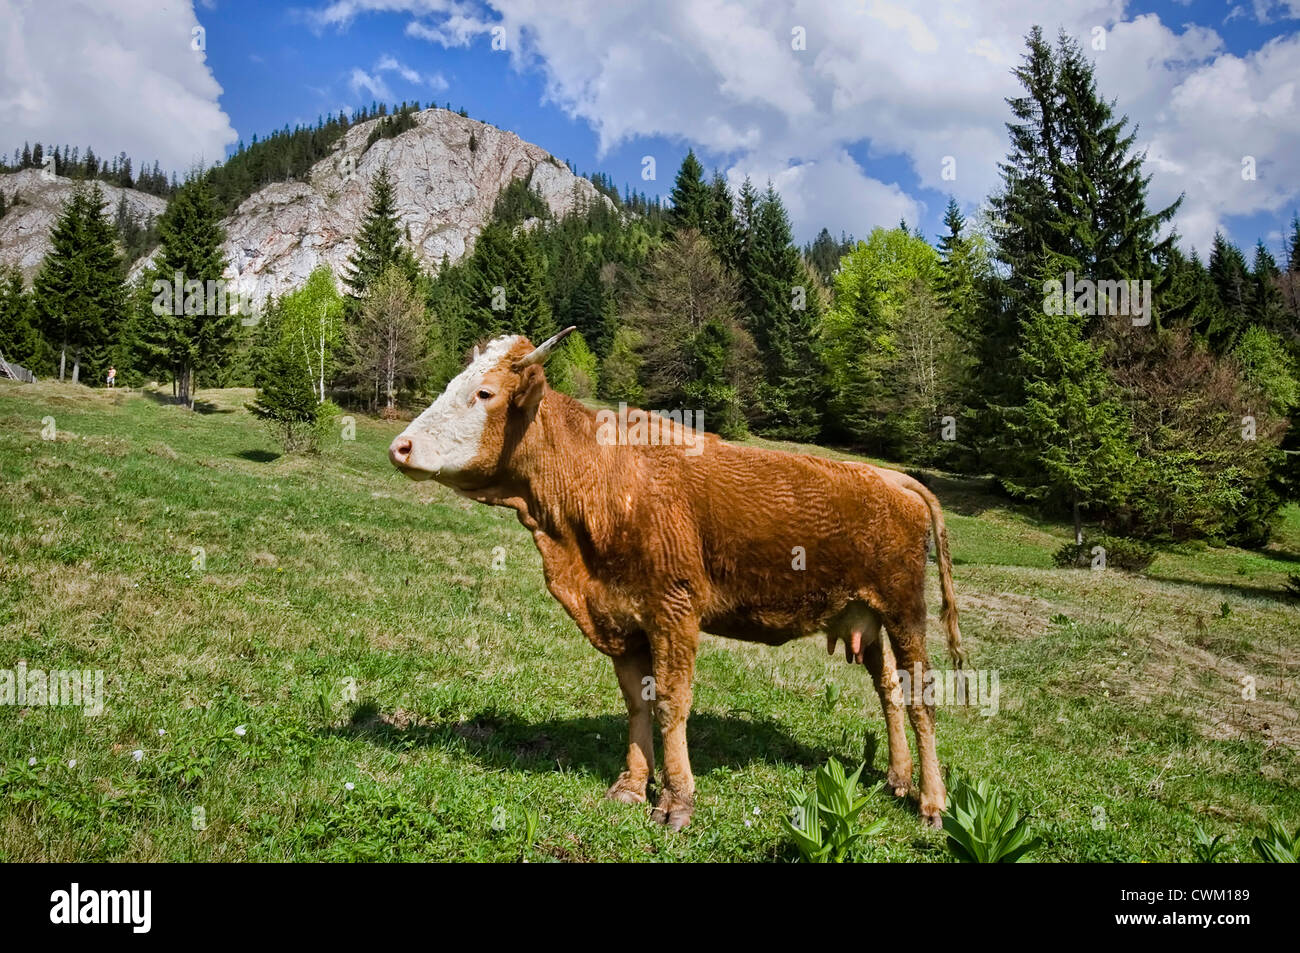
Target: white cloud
389 63
924 81
362 82
830 191
455 30
1201 112
118 77
1267 11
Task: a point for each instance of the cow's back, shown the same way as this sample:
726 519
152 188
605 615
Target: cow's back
782 542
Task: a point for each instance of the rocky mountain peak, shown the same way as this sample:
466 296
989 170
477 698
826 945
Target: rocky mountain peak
446 172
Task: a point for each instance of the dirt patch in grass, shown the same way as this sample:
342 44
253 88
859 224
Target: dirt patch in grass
1006 614
1225 697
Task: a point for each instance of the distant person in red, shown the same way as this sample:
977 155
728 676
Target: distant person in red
112 376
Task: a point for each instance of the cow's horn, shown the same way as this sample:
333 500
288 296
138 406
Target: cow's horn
539 354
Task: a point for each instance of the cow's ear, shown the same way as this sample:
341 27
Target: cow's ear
532 384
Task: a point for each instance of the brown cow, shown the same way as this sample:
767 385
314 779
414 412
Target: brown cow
645 546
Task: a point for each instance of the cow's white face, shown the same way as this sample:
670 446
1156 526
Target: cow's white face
444 442
468 433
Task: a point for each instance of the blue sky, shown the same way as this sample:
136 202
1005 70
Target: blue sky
853 127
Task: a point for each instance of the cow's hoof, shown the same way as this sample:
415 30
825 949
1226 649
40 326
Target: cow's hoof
931 813
626 790
899 783
672 811
674 819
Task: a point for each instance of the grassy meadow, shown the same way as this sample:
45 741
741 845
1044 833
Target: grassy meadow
484 727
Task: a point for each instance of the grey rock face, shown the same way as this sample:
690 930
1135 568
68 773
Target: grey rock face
25 229
444 191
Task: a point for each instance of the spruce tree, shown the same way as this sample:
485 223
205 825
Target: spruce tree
965 289
487 282
1231 281
954 221
782 312
720 227
286 399
1265 304
449 323
20 339
1232 286
588 307
379 243
199 332
79 292
823 254
1289 283
693 351
692 202
1188 299
1070 422
527 296
1073 197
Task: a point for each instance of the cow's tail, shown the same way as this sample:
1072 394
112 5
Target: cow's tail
943 557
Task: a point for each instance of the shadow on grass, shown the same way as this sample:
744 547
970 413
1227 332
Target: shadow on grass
200 406
258 456
1281 555
965 496
503 740
1231 588
597 745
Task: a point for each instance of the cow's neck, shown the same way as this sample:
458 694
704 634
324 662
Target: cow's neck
557 478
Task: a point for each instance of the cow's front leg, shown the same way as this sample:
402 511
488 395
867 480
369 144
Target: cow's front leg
637 684
673 646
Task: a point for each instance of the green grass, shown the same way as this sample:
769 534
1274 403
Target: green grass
1122 723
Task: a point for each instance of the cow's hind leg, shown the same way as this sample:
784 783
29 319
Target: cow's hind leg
634 679
879 660
858 627
908 638
673 645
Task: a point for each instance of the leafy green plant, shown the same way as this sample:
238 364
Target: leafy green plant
1280 847
831 696
1207 850
823 821
532 820
984 827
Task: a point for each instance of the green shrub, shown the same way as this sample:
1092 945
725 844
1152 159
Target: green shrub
822 821
1280 847
1121 553
328 425
983 827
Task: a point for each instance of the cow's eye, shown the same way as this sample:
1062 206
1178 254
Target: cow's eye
484 395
